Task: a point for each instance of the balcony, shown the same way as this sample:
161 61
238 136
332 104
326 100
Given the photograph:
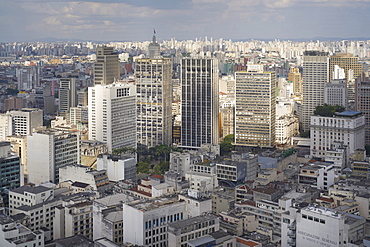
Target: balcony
292 243
292 227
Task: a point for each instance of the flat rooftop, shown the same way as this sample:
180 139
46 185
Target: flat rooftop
29 189
192 221
348 113
324 211
154 204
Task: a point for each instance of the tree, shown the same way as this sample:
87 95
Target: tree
161 168
226 145
142 167
327 110
162 150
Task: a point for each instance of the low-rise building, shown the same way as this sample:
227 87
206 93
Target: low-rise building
117 167
318 175
183 231
13 234
319 226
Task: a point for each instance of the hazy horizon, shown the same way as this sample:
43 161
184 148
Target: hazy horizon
134 20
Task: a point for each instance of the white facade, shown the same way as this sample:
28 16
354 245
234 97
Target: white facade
179 233
112 114
181 162
73 218
201 181
347 127
6 126
118 168
325 227
335 93
315 76
78 115
146 223
49 150
320 176
26 120
286 127
13 234
337 155
83 174
30 196
102 208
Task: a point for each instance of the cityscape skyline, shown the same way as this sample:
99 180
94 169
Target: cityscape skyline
31 20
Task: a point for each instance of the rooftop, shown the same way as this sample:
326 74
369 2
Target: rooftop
192 221
148 205
348 113
29 189
77 240
80 184
324 211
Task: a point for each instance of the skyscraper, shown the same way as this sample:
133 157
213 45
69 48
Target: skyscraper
315 75
107 66
67 94
255 108
362 103
199 82
153 78
112 114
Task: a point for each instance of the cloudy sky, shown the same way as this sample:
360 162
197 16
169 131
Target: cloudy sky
134 20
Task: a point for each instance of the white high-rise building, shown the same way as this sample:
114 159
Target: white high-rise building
199 103
48 150
315 76
67 94
153 77
255 108
112 114
335 93
26 120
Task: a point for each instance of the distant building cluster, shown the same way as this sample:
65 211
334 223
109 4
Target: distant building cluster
185 143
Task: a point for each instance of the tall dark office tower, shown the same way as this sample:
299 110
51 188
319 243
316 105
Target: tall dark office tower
106 67
67 94
362 102
199 114
315 76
